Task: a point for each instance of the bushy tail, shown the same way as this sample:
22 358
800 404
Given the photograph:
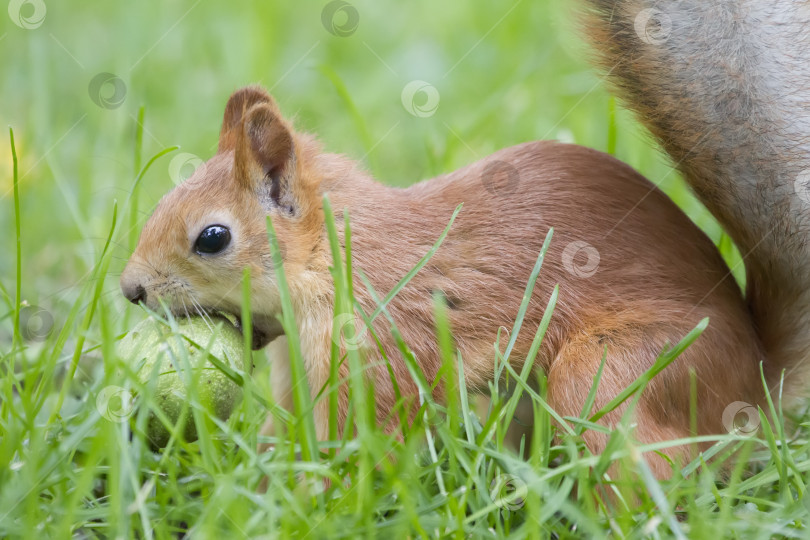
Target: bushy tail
724 85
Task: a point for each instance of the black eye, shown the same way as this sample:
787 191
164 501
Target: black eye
213 239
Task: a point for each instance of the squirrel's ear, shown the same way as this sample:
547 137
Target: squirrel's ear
265 153
238 105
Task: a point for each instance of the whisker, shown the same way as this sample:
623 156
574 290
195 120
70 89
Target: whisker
201 311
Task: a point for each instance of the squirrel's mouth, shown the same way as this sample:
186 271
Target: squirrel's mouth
263 330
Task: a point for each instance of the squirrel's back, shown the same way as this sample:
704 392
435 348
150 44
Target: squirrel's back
725 87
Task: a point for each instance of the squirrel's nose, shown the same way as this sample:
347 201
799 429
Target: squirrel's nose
134 292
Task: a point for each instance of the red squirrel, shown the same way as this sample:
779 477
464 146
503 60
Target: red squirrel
718 83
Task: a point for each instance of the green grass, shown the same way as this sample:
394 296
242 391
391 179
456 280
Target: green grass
83 180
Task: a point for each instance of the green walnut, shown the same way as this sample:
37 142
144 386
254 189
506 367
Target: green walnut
176 361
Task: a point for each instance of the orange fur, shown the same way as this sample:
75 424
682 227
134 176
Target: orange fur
657 276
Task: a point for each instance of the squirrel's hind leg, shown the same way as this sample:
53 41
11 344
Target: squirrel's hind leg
571 376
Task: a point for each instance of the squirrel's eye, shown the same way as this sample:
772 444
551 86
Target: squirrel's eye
213 239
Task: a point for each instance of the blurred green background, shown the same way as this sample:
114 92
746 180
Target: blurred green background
505 73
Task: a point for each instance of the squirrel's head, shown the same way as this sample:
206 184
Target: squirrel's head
194 248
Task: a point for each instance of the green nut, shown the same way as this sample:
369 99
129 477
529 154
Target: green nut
172 362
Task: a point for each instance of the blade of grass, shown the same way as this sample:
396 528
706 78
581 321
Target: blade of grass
98 278
133 207
357 117
361 387
340 311
527 296
528 364
246 320
660 364
589 401
18 236
301 395
657 494
422 262
612 129
132 199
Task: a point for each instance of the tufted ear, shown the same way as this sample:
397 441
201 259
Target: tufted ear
264 156
239 103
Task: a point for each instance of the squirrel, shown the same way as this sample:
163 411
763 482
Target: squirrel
723 87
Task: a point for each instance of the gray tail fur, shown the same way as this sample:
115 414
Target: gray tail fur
724 85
